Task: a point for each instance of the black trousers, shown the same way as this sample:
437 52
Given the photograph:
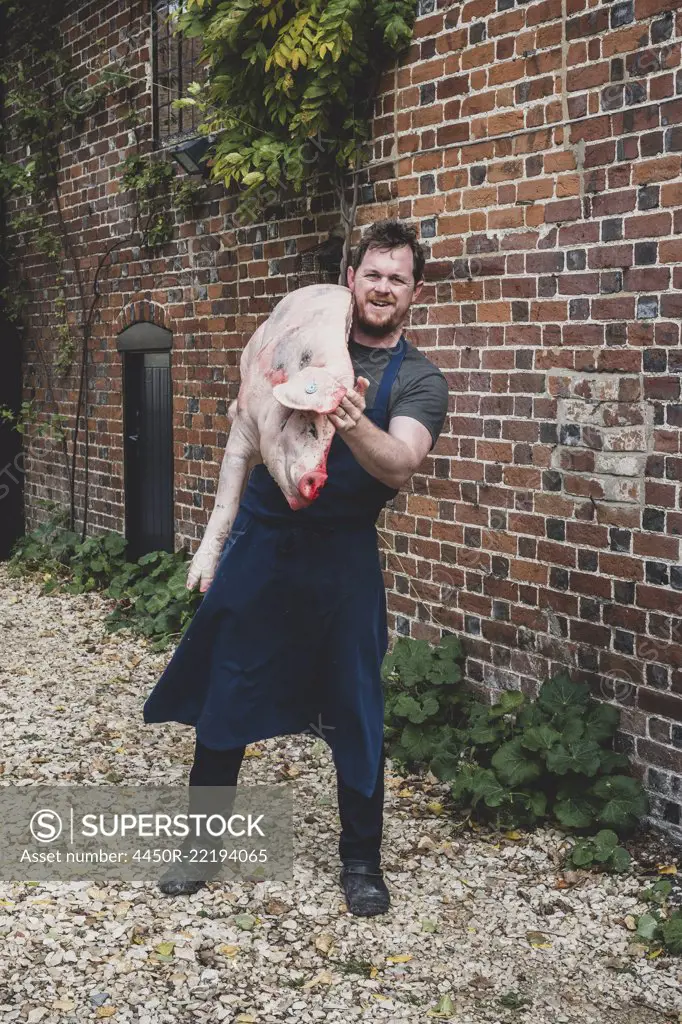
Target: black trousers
361 816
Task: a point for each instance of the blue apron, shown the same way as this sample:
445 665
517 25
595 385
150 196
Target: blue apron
291 634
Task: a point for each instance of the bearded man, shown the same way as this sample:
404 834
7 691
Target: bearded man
302 647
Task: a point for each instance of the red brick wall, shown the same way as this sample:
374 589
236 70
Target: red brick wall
538 148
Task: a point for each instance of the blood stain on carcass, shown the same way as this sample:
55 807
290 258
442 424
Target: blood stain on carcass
277 375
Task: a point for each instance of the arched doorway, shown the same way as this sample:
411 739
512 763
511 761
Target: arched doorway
148 438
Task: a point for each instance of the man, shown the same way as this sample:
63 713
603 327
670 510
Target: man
294 618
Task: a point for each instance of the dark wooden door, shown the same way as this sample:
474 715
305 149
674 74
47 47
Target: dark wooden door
148 452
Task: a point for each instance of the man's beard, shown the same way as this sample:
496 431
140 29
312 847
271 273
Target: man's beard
378 330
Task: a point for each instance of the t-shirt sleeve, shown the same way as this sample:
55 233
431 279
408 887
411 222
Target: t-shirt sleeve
425 399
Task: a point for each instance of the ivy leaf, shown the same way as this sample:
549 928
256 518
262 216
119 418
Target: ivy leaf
513 765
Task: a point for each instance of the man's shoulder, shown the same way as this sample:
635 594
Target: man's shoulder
419 363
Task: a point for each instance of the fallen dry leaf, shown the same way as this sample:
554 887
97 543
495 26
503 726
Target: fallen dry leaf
324 943
228 950
323 978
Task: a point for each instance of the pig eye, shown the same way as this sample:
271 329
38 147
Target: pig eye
312 430
305 359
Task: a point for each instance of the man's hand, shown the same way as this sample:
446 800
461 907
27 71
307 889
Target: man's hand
349 412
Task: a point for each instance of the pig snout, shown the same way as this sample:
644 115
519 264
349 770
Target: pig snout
310 484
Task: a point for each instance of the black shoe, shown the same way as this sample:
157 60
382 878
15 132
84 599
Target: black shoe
365 889
187 877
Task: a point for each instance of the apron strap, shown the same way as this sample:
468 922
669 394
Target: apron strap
390 373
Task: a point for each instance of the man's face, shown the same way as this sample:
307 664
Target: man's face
383 287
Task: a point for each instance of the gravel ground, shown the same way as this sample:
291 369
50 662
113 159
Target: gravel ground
476 917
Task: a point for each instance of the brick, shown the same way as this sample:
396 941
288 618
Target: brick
657 170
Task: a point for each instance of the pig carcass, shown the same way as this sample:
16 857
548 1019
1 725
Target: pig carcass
294 370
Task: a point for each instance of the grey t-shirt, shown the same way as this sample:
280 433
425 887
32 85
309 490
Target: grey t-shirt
420 390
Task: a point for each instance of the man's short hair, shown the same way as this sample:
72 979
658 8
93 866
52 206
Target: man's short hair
391 234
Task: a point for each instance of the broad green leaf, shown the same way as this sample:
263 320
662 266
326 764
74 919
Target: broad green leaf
509 702
538 803
582 853
513 764
581 757
572 727
624 800
483 734
486 786
405 705
417 742
253 178
573 811
602 722
605 842
560 695
647 926
671 931
620 859
445 766
610 761
540 737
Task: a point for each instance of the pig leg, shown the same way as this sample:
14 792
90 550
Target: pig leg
238 460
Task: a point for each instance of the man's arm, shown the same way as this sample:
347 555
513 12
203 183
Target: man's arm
392 457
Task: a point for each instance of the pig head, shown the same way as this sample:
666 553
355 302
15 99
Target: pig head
294 370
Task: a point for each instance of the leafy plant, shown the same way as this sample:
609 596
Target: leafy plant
517 761
288 89
548 758
421 703
151 594
660 928
600 851
152 597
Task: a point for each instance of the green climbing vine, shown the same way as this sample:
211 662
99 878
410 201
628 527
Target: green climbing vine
289 91
46 102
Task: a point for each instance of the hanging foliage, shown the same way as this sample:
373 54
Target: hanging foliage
290 85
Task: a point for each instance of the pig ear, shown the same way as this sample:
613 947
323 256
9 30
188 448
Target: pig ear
313 389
